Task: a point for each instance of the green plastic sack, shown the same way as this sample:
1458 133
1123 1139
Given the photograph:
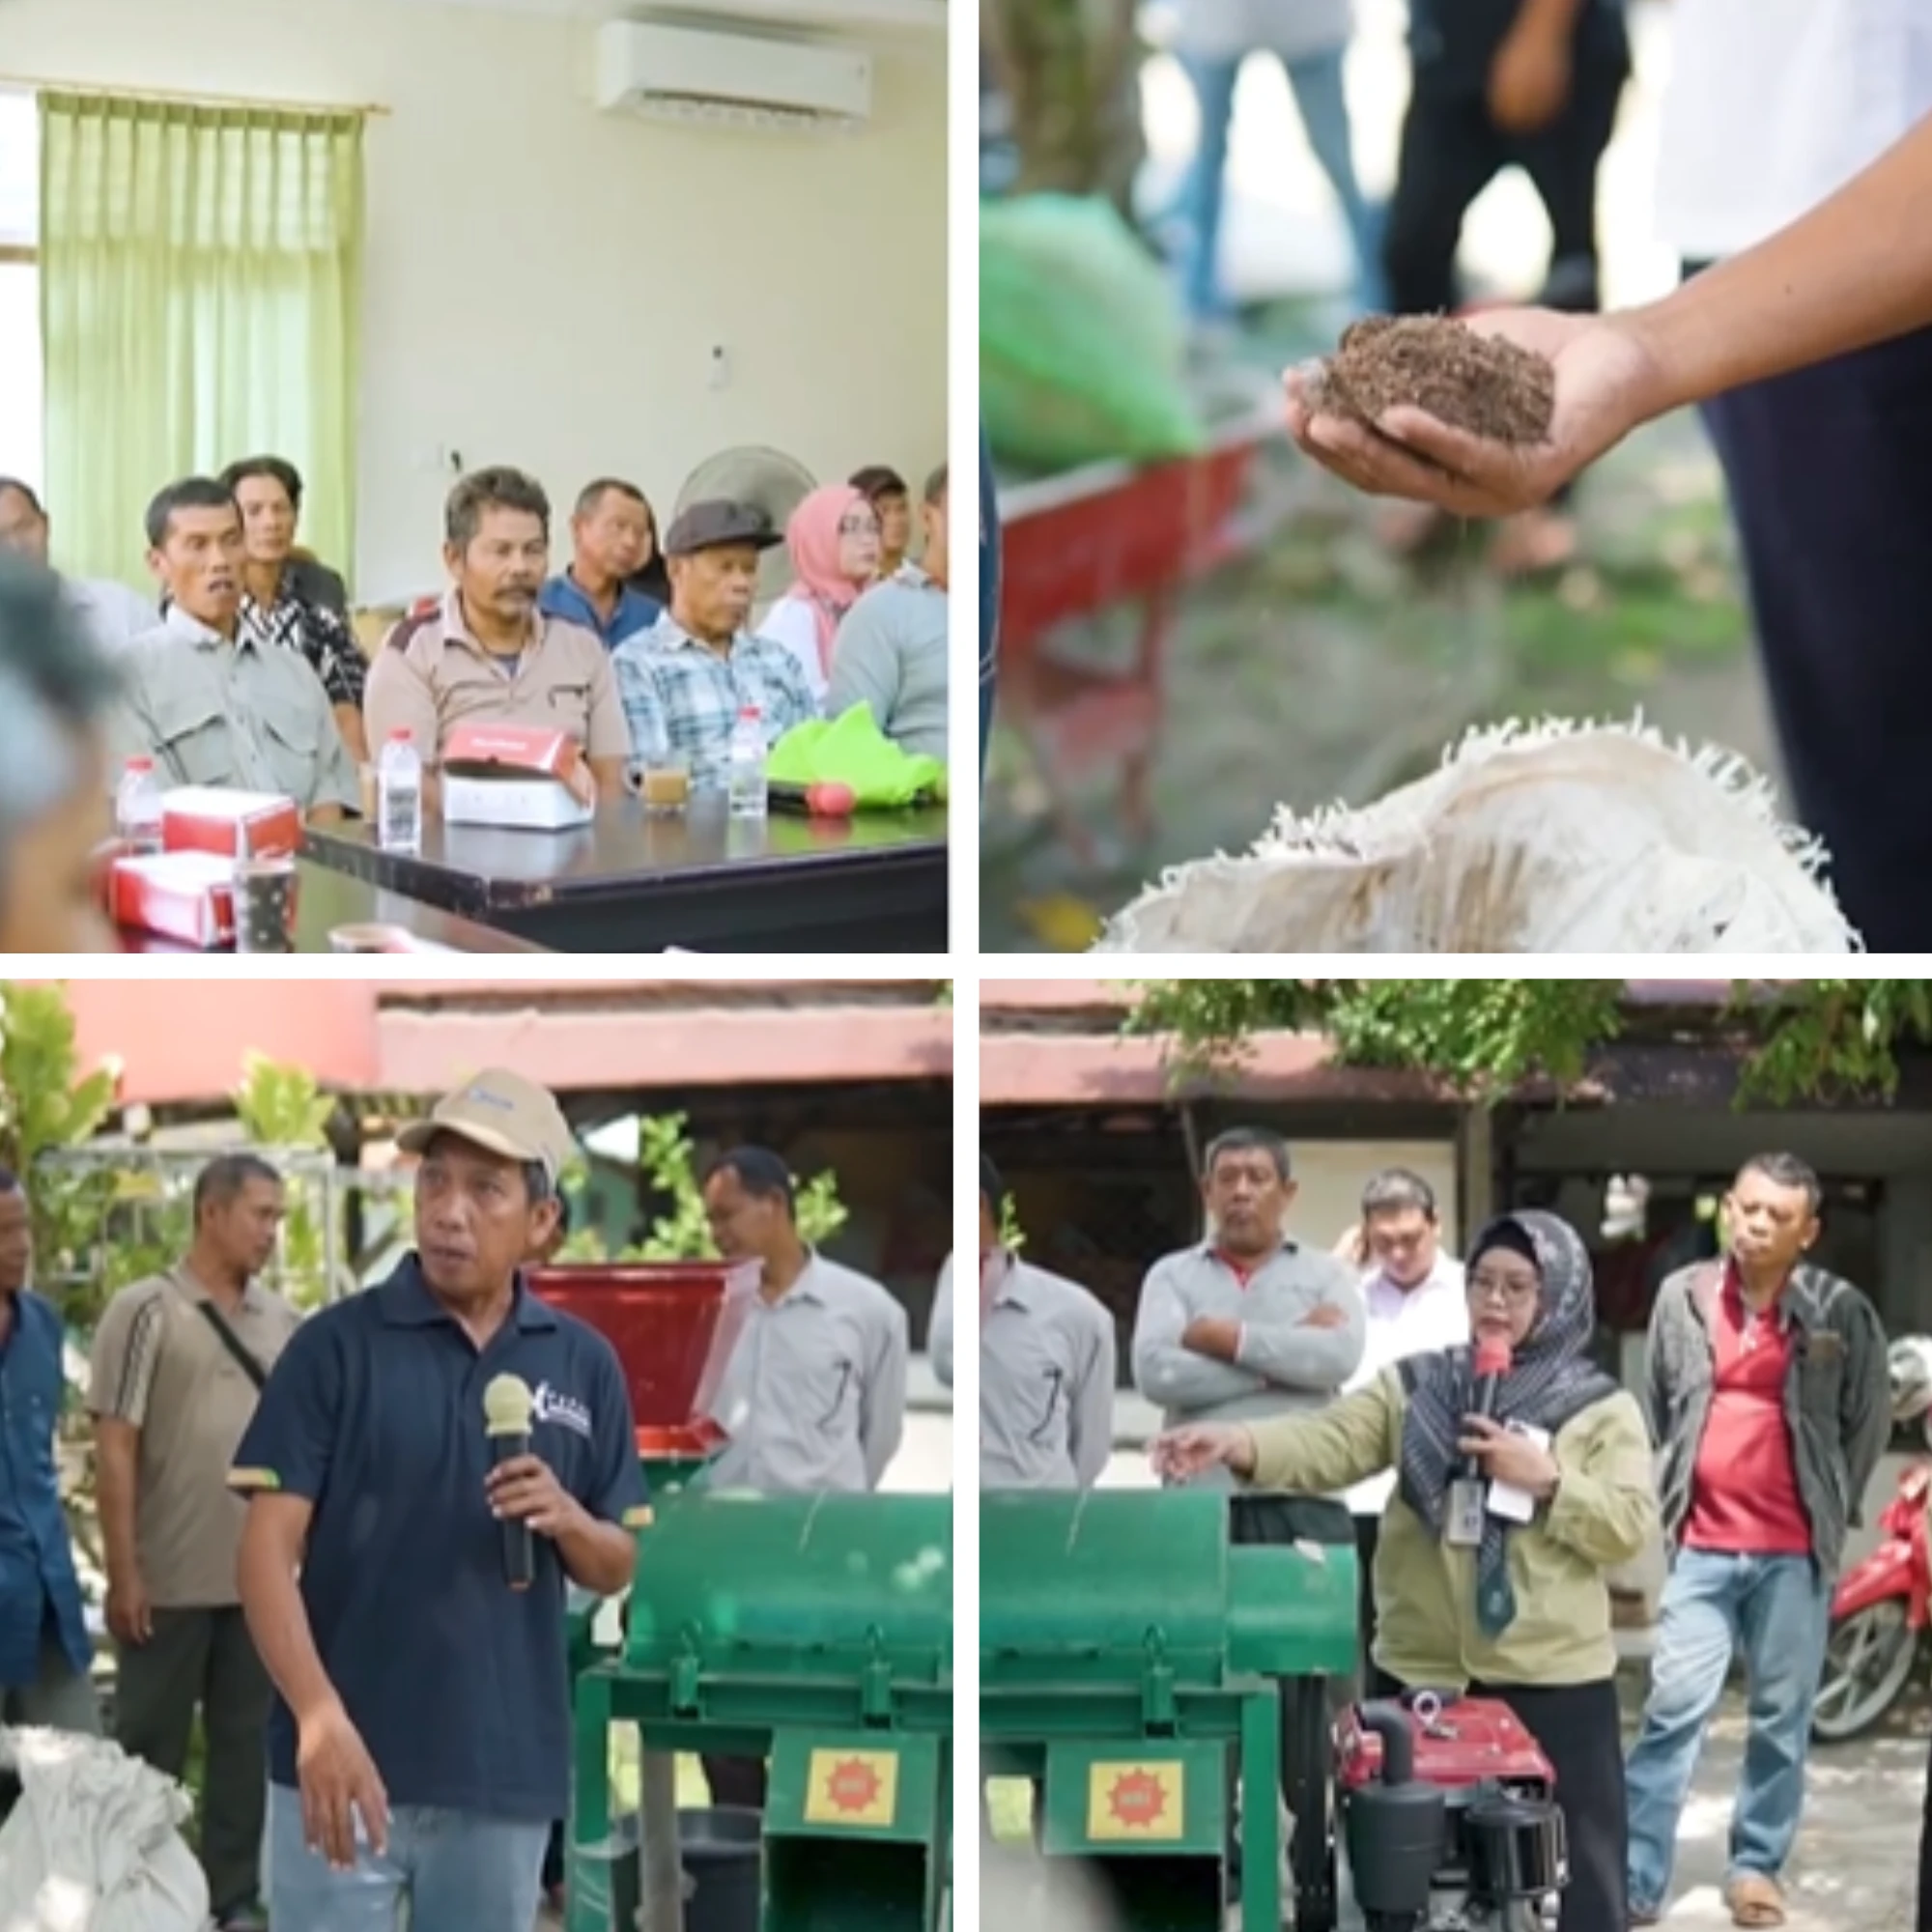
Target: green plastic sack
851 749
1082 345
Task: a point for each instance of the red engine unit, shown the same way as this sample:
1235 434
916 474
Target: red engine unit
1461 1744
1496 1848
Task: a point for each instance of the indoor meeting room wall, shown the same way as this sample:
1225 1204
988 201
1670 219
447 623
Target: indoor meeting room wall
545 283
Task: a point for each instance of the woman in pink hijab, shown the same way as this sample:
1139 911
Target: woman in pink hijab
834 541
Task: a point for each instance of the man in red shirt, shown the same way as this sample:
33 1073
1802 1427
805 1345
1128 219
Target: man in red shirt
1769 1399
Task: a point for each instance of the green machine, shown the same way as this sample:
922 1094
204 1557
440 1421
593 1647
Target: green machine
816 1631
668 1323
1130 1659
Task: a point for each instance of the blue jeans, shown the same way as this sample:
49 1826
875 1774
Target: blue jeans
1777 1609
460 1873
1324 105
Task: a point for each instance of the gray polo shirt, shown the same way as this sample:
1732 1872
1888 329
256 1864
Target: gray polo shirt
814 1396
1281 1367
246 716
891 654
1048 1360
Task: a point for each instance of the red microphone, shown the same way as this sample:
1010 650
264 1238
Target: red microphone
1492 1365
824 799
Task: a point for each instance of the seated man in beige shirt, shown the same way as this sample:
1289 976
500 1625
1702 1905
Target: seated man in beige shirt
487 654
209 703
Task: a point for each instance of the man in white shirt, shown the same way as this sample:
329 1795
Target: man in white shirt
109 613
1416 1304
1773 107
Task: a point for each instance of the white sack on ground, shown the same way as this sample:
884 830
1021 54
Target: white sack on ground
1549 838
95 1843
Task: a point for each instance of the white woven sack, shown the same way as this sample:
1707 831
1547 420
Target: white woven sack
95 1843
1549 837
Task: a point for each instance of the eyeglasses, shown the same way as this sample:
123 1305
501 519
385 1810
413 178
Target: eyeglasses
858 526
1507 1288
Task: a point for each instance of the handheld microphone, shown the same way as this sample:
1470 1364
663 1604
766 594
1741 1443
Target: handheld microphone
507 1404
1493 1365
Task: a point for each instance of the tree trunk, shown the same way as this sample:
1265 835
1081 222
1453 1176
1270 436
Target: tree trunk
1071 71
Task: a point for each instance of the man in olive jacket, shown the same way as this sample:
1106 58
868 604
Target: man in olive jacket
1769 1399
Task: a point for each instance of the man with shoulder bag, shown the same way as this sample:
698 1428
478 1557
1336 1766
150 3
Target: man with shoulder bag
179 1363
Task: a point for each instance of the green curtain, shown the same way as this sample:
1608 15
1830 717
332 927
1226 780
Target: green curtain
201 301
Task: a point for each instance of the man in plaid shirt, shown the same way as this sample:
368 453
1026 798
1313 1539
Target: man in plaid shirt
684 680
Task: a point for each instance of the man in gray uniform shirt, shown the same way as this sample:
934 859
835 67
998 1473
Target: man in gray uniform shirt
814 1396
1244 1325
1048 1358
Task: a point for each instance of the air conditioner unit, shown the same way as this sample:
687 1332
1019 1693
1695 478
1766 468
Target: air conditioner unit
685 73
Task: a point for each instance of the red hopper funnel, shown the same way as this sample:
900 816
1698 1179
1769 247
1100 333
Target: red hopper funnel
673 1326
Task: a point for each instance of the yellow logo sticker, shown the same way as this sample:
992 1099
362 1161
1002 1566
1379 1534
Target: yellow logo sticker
852 1787
1135 1800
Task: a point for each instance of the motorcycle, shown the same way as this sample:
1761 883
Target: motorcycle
1881 1611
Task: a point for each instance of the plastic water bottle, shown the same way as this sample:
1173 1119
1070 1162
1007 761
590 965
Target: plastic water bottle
747 769
399 795
137 807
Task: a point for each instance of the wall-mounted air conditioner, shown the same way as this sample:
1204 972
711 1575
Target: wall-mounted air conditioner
686 73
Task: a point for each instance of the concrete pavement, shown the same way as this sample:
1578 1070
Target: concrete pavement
1856 1868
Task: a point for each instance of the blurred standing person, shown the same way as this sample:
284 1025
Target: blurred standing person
834 540
1418 1302
1048 1362
1498 83
812 1397
1310 38
1769 1394
57 692
179 1361
44 1649
1773 107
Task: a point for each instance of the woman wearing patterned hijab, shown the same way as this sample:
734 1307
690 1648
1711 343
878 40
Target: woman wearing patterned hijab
1513 1609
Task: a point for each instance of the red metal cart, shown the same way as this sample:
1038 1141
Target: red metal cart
1075 544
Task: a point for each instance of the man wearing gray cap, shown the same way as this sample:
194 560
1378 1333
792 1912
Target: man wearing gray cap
419 1746
685 681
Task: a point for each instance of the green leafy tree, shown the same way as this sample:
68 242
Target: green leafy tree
47 1103
283 1108
1801 1039
667 1157
1012 1236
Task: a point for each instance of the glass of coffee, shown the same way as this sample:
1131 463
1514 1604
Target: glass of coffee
663 783
265 904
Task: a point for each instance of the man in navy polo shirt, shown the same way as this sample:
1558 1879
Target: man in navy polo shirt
420 1742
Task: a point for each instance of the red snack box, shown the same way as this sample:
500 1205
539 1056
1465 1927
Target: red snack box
211 818
515 775
184 895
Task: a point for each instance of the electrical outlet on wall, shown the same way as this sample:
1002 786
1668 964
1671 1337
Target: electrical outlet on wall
720 366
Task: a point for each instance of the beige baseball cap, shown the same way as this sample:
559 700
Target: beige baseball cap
503 1113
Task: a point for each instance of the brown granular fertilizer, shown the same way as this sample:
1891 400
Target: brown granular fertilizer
1482 384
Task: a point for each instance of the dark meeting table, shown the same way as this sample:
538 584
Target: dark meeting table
700 880
327 900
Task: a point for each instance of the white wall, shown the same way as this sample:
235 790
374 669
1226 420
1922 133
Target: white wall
545 283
